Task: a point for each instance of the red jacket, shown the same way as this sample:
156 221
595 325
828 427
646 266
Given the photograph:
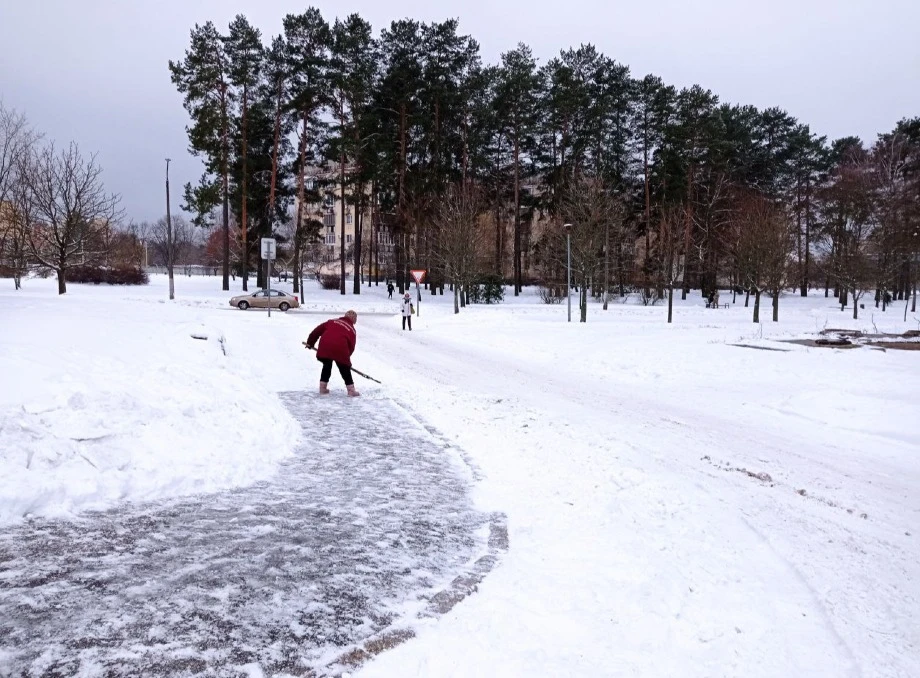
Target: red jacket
337 342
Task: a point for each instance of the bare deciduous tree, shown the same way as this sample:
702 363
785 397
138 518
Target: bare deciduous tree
848 211
669 258
460 237
17 139
71 206
762 247
594 213
171 246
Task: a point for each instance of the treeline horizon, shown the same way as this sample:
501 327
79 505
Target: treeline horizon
411 111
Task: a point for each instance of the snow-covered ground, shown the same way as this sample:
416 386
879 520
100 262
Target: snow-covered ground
677 505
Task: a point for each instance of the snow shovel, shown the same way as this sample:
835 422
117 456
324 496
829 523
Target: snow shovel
358 372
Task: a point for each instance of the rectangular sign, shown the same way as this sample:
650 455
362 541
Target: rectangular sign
268 248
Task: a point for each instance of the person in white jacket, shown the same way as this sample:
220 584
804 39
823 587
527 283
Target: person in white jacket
407 310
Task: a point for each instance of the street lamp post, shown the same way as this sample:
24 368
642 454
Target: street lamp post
169 238
568 265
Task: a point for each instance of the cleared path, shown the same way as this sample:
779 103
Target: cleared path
361 531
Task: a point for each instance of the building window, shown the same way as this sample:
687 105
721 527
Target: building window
348 218
330 239
310 184
348 238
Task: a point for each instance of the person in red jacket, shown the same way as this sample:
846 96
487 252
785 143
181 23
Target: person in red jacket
337 339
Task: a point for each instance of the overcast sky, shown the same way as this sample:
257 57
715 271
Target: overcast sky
95 71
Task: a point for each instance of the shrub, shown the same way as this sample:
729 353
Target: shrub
552 294
108 276
488 289
329 281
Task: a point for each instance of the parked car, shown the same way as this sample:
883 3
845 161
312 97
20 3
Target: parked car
265 298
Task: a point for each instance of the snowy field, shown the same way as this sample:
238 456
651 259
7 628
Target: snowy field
678 505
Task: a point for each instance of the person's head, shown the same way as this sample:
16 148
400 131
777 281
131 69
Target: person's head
352 316
407 295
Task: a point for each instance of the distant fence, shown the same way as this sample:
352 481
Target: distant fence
189 270
198 269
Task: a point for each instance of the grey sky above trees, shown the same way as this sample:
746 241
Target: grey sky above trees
95 71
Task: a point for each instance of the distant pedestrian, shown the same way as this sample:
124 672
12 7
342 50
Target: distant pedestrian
407 310
337 339
389 290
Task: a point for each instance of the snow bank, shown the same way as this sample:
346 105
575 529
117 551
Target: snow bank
106 400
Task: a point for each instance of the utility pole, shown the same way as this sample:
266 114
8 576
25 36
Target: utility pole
169 238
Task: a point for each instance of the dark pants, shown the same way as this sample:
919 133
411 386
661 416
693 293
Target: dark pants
407 319
390 295
344 370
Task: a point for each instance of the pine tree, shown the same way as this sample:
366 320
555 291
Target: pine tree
306 38
516 101
398 108
352 72
651 113
246 55
203 78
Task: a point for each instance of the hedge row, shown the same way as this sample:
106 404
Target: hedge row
107 276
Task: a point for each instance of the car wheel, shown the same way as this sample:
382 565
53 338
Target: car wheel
243 305
284 306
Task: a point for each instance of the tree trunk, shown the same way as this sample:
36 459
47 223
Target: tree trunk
583 302
855 305
648 207
62 280
342 202
456 298
359 208
517 216
243 222
301 196
776 306
401 243
757 306
805 270
607 262
274 181
226 229
670 302
370 252
225 186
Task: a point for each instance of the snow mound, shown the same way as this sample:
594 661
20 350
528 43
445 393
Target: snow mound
132 409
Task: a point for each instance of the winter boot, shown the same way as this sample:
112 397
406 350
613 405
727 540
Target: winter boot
352 391
323 388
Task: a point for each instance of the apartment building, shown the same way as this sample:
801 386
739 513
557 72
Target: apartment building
377 240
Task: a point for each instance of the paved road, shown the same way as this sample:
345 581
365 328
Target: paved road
355 535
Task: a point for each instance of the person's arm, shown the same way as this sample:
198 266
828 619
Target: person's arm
352 342
315 334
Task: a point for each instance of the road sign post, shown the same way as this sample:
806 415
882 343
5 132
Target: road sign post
419 276
268 253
